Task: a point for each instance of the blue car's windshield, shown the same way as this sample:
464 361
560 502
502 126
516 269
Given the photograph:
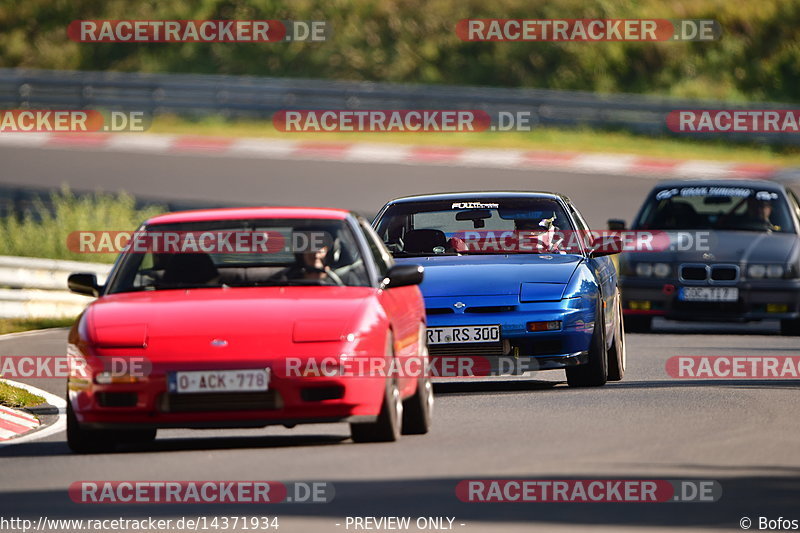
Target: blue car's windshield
500 225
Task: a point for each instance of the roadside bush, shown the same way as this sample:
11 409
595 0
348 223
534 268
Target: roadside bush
43 231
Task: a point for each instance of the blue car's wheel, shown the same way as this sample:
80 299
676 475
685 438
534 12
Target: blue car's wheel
617 355
595 372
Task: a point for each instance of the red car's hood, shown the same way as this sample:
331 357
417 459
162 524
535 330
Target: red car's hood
239 323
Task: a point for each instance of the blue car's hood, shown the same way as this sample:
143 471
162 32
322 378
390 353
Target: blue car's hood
484 275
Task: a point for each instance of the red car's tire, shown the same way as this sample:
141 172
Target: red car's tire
388 426
82 440
418 410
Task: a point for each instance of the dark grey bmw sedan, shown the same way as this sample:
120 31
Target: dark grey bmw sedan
733 254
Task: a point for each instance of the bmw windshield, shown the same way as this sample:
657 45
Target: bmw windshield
717 208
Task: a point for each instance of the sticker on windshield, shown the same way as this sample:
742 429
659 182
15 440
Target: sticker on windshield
766 195
473 205
738 192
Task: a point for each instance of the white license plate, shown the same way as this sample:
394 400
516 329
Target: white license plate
709 294
463 334
248 380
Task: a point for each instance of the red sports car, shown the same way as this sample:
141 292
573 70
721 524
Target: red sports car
244 318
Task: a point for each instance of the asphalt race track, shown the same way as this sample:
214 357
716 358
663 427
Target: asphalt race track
742 433
363 187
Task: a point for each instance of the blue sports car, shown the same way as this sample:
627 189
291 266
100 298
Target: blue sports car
512 278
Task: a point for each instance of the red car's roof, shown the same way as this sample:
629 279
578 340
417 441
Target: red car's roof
237 213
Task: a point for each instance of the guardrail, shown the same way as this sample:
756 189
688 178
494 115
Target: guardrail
37 288
260 97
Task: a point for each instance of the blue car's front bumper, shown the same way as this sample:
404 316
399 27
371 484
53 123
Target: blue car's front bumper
539 350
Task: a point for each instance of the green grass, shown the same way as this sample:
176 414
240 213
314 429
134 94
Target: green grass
551 139
43 231
11 396
15 325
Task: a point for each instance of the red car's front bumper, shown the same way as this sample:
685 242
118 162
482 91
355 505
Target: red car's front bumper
289 401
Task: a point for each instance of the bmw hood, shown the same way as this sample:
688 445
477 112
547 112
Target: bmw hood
725 247
478 275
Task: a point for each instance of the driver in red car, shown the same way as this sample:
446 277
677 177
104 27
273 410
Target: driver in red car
314 262
313 265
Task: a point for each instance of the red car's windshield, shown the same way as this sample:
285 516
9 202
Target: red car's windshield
241 253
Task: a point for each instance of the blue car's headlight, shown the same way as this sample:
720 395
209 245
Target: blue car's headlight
581 285
541 292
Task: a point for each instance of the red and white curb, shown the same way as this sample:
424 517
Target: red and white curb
14 423
59 425
588 163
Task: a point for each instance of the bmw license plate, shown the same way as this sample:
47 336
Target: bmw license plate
463 334
708 294
247 380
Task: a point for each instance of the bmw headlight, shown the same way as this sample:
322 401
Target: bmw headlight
756 271
661 270
644 270
766 271
775 271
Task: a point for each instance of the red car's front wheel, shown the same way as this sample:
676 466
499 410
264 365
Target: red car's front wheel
388 426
